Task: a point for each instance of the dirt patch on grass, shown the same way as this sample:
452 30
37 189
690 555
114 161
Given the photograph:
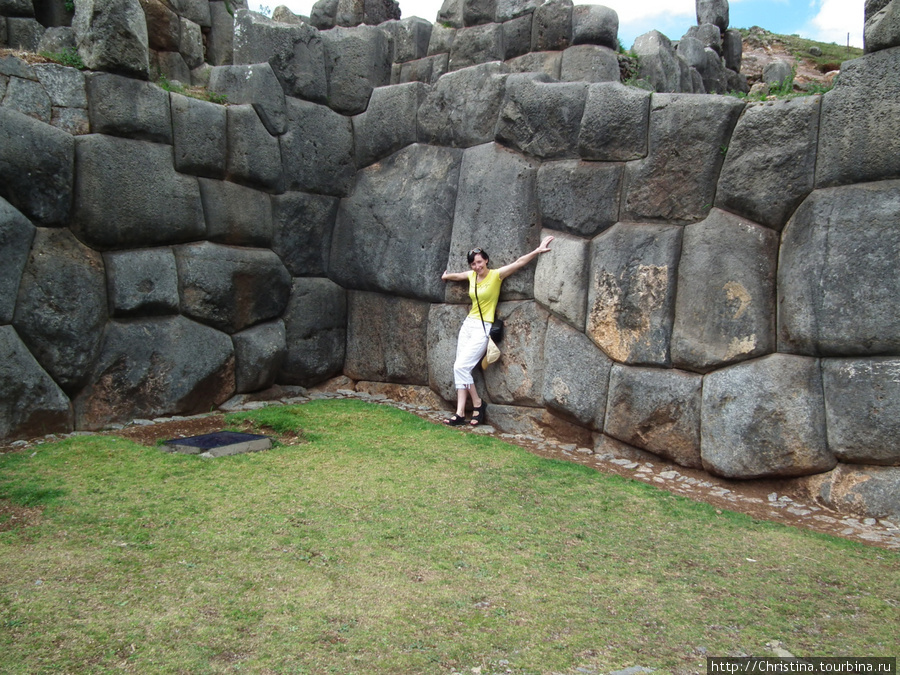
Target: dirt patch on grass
13 516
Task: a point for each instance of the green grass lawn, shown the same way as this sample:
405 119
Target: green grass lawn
389 544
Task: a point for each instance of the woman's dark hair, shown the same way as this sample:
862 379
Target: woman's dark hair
470 256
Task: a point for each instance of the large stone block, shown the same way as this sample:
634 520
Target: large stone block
393 231
838 290
370 12
31 403
154 367
442 335
65 86
561 278
410 38
725 308
61 309
24 33
142 282
517 36
856 135
576 375
112 36
356 61
862 405
255 84
540 117
198 131
389 123
220 40
615 123
882 27
121 106
578 197
163 25
316 332
231 288
191 44
765 418
236 215
713 12
428 70
461 109
656 409
477 44
677 179
552 27
770 163
548 63
869 491
29 98
518 377
497 210
37 166
16 237
303 225
511 9
295 52
254 155
631 292
595 25
317 150
258 354
129 195
589 63
386 338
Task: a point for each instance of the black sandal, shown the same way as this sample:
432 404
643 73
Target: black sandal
455 421
478 414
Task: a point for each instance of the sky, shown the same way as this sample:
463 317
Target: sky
821 20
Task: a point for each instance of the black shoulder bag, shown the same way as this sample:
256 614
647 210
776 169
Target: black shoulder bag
496 333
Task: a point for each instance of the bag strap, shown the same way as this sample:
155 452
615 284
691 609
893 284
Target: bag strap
478 303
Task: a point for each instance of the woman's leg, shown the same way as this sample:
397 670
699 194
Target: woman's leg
470 347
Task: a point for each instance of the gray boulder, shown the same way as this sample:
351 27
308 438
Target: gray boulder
236 215
710 36
16 236
541 118
258 354
677 180
231 288
882 27
579 197
58 39
61 309
323 14
428 70
254 155
410 38
714 12
118 200
733 50
778 73
371 12
31 403
112 36
496 209
517 36
154 367
461 109
838 290
295 52
511 9
725 308
595 25
862 402
870 491
770 164
576 374
765 418
631 292
196 11
477 12
255 84
442 37
17 8
518 377
386 338
303 225
163 25
659 64
560 278
615 123
444 321
356 61
548 63
389 123
315 324
199 136
450 14
65 86
121 106
36 168
692 51
142 282
24 33
220 40
477 44
589 63
317 150
191 45
170 65
656 409
29 98
393 230
856 141
552 27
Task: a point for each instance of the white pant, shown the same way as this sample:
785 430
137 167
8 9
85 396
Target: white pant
470 348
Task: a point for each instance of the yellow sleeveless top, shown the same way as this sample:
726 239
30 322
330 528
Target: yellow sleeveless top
488 295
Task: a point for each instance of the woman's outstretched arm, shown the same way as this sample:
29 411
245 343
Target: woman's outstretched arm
506 270
454 276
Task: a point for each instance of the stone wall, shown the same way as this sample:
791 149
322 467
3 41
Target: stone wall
721 291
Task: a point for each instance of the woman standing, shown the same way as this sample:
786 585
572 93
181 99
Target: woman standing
473 334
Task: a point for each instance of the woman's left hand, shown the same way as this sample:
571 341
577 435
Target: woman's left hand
545 244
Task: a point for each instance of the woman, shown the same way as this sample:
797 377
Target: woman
473 335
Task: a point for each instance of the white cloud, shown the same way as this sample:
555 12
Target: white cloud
835 19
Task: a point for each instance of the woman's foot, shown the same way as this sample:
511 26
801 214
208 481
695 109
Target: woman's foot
455 420
478 414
